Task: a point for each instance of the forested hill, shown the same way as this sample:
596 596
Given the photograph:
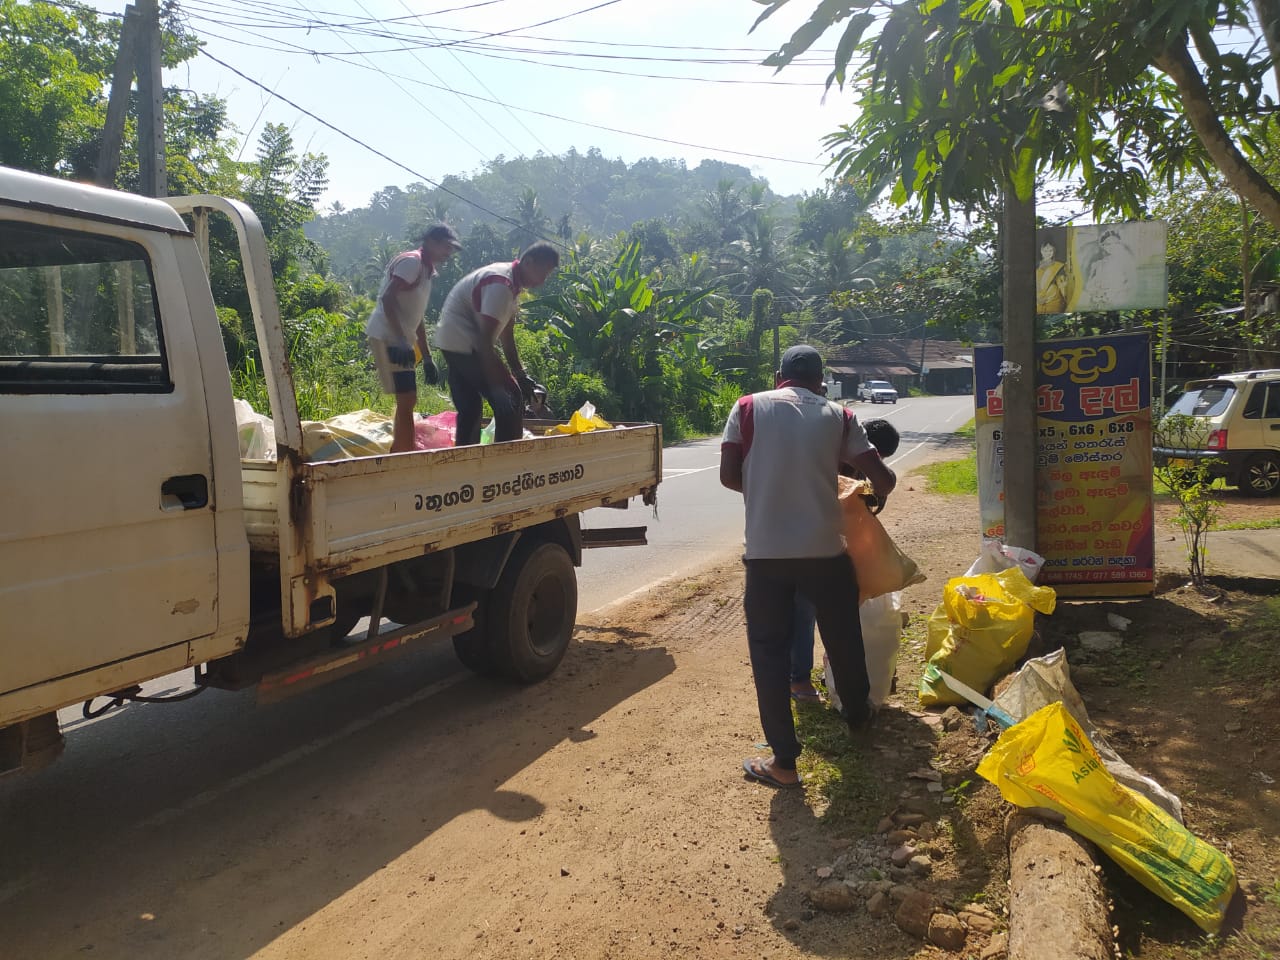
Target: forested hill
555 196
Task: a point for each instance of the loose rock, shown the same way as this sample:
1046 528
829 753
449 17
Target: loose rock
914 913
953 718
902 855
946 931
977 922
921 866
997 948
1103 641
791 923
906 819
878 905
901 836
834 898
824 873
900 891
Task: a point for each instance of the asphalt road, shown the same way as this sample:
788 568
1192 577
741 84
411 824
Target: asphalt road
141 766
697 517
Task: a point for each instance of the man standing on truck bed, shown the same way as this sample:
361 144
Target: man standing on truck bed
783 449
396 324
477 315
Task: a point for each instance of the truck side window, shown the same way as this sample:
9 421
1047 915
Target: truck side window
77 314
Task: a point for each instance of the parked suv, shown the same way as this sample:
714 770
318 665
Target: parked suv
877 391
1241 416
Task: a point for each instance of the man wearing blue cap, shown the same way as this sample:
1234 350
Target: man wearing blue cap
782 449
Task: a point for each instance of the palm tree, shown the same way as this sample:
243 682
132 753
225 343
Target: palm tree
723 209
531 221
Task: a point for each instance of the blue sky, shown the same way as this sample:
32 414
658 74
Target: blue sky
355 78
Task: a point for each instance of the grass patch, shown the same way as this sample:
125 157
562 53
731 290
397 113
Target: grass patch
1262 523
969 430
956 477
837 770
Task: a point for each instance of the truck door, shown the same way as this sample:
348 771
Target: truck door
107 545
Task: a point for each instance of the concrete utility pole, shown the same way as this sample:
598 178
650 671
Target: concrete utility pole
118 104
1018 241
151 160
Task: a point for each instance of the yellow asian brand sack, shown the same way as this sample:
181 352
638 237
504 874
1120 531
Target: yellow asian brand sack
980 631
1047 761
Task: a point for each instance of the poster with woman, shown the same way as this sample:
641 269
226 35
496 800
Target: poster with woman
1114 266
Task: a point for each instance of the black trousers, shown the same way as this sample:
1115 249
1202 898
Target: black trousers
769 600
469 388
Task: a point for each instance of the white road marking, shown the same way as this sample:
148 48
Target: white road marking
674 472
909 452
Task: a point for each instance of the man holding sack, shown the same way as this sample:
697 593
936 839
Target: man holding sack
782 449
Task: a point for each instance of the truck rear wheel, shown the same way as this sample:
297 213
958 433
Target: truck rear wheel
530 614
474 648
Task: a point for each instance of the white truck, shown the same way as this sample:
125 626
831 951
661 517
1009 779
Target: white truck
134 542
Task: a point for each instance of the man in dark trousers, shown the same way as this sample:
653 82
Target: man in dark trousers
783 449
478 316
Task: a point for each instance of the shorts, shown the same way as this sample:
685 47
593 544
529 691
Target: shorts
396 366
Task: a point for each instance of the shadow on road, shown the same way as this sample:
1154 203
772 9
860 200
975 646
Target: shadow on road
232 862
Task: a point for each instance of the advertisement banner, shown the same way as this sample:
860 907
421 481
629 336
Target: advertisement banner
1111 266
1094 522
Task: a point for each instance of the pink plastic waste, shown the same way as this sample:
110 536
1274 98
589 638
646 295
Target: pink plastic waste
435 432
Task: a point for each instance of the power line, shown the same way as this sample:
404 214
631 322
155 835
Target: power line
374 150
554 116
485 87
296 49
407 93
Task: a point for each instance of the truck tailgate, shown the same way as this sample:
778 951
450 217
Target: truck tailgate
358 514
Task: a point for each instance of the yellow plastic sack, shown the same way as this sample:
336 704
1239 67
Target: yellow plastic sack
1048 761
360 434
584 420
880 566
980 631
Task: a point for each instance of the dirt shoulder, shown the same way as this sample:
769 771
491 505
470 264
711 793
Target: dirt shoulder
603 813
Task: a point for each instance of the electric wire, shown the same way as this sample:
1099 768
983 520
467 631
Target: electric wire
441 120
552 116
485 87
374 150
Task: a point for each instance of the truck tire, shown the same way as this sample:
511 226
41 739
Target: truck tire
531 613
1260 476
474 648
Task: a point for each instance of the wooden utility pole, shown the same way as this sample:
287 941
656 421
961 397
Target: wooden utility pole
151 160
1018 240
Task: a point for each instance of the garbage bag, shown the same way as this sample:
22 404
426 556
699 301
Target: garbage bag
584 420
881 619
995 556
257 433
1047 680
360 434
1047 761
980 631
881 567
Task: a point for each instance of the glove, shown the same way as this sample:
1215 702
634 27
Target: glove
430 375
527 384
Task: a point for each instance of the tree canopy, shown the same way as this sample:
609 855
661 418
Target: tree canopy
956 98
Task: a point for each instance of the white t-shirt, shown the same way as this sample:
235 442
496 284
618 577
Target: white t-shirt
491 291
793 442
411 303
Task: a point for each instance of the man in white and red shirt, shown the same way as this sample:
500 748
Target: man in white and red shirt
783 449
478 314
396 324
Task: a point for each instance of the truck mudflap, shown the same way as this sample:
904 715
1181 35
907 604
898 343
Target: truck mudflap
615 537
342 661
